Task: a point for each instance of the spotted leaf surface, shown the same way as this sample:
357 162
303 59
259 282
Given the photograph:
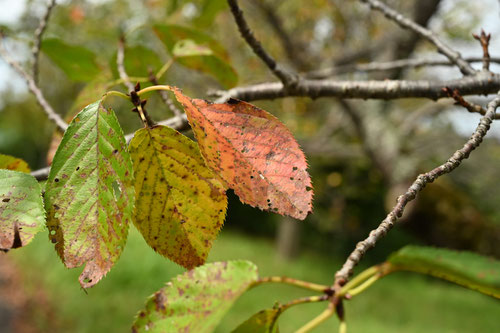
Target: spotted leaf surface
468 269
21 209
262 322
180 205
197 300
13 163
89 193
254 153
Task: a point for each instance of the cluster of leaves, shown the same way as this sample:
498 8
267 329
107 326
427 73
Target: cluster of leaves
186 46
174 190
170 187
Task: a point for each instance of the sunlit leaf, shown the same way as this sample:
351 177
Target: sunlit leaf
254 153
201 58
180 204
197 300
262 322
89 193
468 269
13 163
77 62
171 34
21 209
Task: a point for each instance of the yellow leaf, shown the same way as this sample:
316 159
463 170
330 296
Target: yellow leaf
13 163
180 204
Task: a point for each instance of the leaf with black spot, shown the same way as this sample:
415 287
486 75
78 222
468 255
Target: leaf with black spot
89 193
197 300
180 205
21 209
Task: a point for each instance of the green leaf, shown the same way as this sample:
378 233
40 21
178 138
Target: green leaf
77 62
171 34
197 300
180 205
190 48
21 209
209 10
89 193
262 322
201 58
464 268
13 163
137 61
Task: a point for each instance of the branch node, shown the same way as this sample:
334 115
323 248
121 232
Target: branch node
484 39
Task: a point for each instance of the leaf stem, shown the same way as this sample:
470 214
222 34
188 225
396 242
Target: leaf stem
364 285
359 279
154 88
293 282
303 300
342 327
318 320
164 68
116 93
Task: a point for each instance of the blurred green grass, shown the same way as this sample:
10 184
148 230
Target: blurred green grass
398 303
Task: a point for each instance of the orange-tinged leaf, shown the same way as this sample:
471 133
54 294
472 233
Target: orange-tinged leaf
13 163
180 205
253 152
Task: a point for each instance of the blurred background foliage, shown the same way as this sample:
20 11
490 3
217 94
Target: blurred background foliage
353 189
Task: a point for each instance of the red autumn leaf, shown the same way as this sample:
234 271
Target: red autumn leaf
253 152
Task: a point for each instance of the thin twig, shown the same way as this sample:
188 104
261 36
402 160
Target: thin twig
484 39
120 57
33 87
405 22
471 107
41 174
386 66
38 38
289 80
418 185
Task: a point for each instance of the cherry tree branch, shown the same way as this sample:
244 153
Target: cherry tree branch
288 79
34 89
479 84
385 66
406 23
418 185
38 38
120 58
